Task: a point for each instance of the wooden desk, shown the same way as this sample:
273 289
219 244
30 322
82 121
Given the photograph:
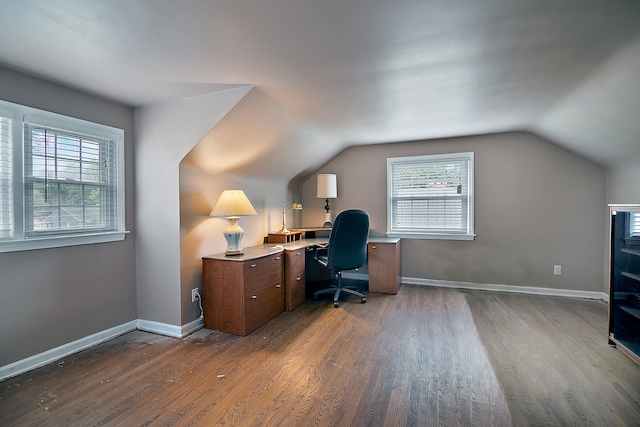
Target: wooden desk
241 293
383 259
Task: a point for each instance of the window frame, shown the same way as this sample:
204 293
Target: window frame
21 240
468 233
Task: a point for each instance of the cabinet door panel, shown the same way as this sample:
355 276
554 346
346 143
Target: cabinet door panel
384 274
262 305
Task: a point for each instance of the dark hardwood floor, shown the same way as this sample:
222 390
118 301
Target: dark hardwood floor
427 356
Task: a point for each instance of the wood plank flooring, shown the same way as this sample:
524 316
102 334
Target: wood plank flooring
553 362
427 356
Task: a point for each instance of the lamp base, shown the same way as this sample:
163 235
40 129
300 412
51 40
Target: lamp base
284 229
234 234
327 220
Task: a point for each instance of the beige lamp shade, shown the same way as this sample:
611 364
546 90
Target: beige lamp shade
233 204
327 189
327 186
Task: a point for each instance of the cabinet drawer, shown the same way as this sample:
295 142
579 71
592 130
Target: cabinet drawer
294 268
295 293
262 305
262 272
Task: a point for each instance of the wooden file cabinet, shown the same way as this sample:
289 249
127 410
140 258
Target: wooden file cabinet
242 293
294 268
384 265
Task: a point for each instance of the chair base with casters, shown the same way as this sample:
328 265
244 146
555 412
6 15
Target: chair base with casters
337 289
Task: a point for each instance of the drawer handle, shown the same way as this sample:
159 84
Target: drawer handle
277 258
298 253
298 278
252 266
374 247
254 296
277 286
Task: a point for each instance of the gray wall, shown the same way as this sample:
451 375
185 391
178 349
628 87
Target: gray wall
536 205
202 235
51 297
623 183
165 133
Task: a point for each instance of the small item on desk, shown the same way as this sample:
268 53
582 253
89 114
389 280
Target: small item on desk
278 247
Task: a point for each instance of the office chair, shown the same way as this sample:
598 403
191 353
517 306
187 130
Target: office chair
347 250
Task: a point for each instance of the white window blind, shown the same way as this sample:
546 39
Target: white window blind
634 224
70 182
431 196
6 175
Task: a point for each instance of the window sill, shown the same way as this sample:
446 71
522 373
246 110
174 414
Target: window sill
632 241
432 236
59 242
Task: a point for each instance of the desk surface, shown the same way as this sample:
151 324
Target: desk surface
258 251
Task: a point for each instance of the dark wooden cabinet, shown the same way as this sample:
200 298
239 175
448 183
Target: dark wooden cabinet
624 292
242 293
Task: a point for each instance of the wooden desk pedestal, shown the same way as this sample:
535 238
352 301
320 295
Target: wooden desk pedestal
242 293
384 265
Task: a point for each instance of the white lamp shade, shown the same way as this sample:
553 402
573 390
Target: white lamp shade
233 203
327 186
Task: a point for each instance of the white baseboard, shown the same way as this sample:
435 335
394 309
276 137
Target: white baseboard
46 357
64 350
171 330
191 327
506 288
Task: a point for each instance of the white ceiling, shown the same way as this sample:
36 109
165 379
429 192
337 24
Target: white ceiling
360 71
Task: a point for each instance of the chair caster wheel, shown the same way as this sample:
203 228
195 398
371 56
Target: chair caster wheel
363 300
336 305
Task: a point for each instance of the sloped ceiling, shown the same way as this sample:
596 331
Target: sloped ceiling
353 71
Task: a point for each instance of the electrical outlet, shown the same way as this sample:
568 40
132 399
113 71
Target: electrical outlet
194 294
557 270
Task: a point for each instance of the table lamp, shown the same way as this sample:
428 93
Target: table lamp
233 204
327 189
295 206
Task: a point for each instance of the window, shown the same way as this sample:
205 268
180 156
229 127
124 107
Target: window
634 225
431 196
65 187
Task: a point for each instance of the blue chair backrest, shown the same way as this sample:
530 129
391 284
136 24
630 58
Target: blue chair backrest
348 240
